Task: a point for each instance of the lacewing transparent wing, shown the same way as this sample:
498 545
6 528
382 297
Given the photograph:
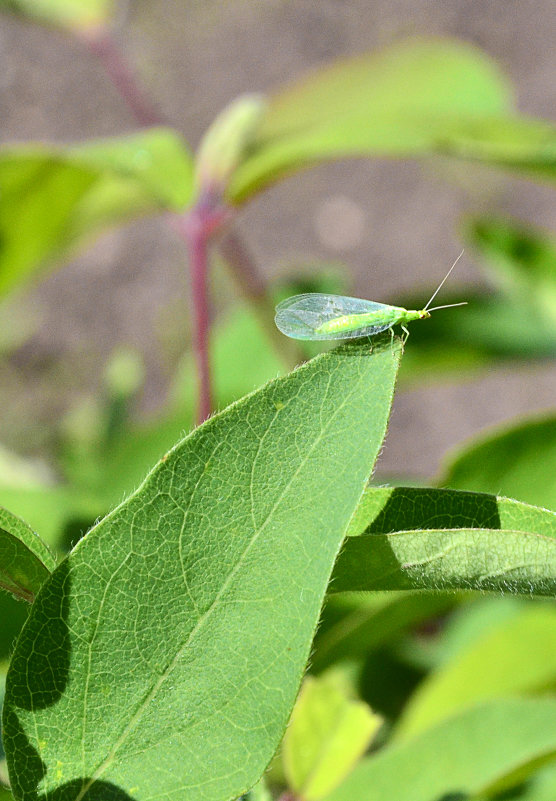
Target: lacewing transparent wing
300 316
319 316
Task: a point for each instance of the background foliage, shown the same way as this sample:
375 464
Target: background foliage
178 630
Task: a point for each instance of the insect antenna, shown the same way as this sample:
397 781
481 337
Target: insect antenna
441 284
448 306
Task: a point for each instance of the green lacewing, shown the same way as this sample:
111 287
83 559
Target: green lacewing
315 315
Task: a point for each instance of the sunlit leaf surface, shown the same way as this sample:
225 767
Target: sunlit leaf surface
171 642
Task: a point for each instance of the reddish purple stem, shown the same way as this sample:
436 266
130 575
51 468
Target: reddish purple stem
197 228
194 232
102 44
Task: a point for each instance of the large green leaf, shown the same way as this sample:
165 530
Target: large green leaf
163 656
51 199
74 14
516 656
406 538
460 757
25 560
400 101
417 98
518 460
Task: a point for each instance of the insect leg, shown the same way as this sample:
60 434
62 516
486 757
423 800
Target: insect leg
406 332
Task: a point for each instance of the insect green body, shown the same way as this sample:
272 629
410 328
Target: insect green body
315 315
391 315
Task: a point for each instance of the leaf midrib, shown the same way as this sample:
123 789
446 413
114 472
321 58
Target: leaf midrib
144 703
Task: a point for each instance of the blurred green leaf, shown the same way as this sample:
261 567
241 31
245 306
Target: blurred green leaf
259 792
520 144
352 624
460 757
498 327
540 787
471 620
25 560
387 679
515 254
491 328
124 373
521 260
55 511
517 460
406 538
52 199
418 98
157 159
327 734
409 99
514 657
225 142
181 601
74 14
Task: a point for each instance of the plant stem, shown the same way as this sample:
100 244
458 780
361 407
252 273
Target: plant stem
196 227
195 234
103 45
192 227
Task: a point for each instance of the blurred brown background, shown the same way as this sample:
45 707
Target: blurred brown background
393 224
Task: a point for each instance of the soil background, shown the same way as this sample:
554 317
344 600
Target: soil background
393 225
